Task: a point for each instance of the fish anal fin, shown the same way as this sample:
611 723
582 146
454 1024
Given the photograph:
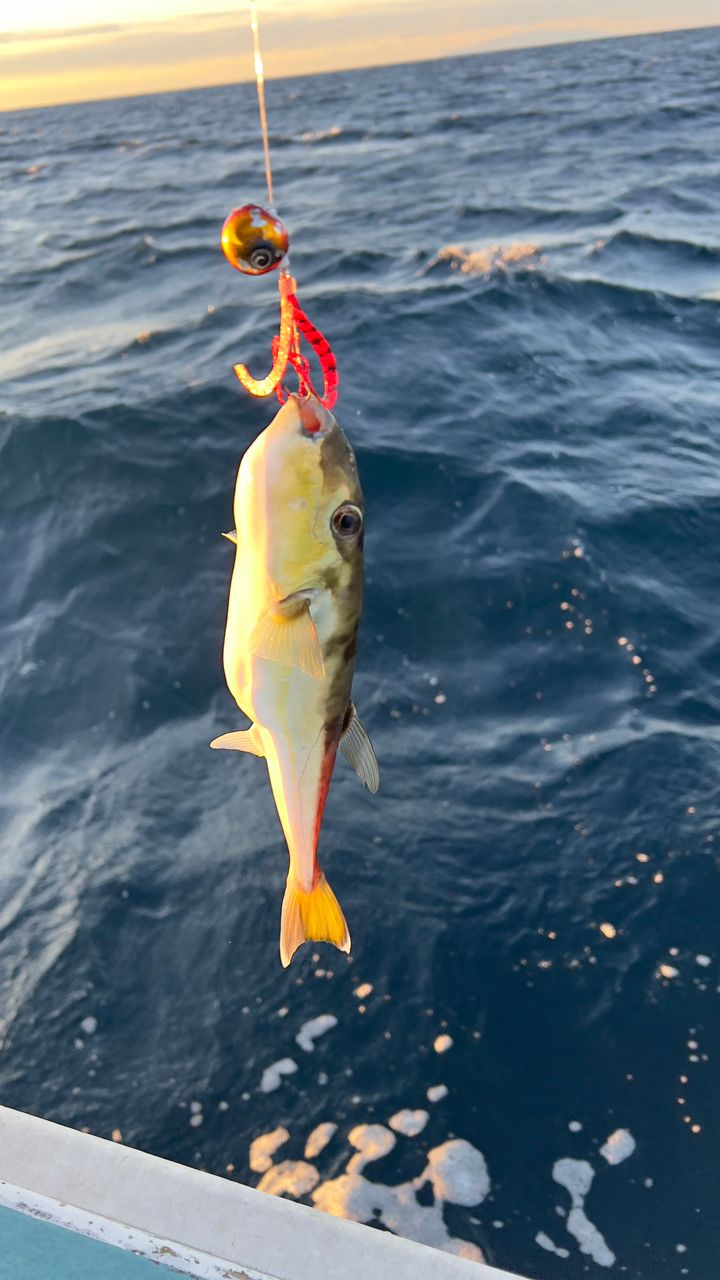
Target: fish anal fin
242 740
231 536
311 917
286 633
357 749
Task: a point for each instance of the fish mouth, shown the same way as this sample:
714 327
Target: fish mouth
315 419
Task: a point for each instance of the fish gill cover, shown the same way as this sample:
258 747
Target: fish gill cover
518 259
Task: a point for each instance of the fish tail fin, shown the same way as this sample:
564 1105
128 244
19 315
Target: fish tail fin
310 917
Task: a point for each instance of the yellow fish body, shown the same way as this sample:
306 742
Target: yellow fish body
290 640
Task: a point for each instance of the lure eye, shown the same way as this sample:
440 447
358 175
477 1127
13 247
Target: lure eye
254 240
347 521
262 257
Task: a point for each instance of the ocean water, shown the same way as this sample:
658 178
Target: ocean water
517 260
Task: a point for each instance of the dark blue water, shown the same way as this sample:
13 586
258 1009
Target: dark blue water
517 259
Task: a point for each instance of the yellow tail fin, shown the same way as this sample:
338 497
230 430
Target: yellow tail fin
310 917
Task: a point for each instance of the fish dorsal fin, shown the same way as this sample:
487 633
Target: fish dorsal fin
231 536
242 740
286 633
358 750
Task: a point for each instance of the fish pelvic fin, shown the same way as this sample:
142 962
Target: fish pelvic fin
287 634
311 917
231 536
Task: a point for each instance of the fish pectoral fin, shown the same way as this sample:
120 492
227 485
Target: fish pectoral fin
286 633
242 740
357 749
231 536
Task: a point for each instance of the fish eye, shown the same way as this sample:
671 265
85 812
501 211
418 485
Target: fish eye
347 521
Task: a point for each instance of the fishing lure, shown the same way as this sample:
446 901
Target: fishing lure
255 242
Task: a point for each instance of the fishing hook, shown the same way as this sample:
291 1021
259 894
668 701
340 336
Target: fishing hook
264 386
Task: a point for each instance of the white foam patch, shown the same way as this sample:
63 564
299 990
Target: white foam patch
89 1025
272 1075
574 1126
443 1043
456 1170
263 1148
577 1176
319 1138
458 1173
437 1092
309 1031
372 1142
546 1243
319 135
494 257
411 1123
290 1177
618 1147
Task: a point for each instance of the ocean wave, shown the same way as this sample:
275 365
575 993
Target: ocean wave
572 215
679 253
590 271
321 135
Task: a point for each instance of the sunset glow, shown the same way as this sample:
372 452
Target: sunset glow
90 49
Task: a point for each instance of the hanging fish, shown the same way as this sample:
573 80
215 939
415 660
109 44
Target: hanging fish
290 640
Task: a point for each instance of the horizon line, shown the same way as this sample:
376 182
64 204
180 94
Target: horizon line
373 66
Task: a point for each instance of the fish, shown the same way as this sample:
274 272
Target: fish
290 644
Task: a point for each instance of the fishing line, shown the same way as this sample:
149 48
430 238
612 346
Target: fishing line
260 82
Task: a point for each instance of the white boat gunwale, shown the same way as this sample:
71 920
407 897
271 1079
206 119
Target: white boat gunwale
193 1222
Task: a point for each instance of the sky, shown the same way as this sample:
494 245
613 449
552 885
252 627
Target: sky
54 51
